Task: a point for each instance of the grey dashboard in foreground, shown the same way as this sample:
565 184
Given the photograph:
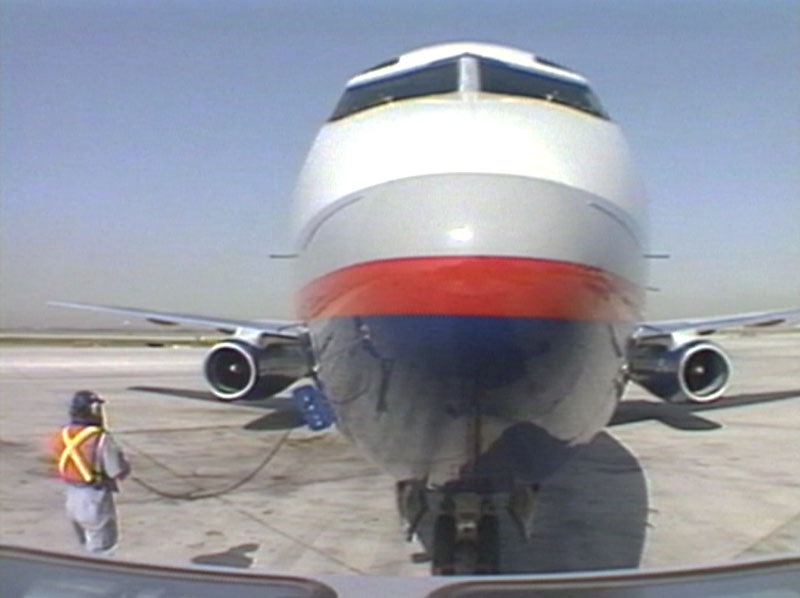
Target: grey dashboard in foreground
31 573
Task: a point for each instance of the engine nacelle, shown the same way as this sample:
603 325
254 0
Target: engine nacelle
236 369
697 371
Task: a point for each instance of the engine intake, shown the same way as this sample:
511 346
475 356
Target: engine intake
236 369
697 371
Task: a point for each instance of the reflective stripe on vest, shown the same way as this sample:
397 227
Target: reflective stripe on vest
72 453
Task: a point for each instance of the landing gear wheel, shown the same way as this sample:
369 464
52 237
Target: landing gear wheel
444 545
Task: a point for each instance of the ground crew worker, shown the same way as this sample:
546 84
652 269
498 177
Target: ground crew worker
91 463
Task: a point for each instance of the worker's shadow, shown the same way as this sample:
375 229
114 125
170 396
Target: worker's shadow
236 556
590 514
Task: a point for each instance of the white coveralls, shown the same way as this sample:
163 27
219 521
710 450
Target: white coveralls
91 508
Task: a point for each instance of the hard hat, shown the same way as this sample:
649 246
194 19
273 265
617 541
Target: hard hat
83 402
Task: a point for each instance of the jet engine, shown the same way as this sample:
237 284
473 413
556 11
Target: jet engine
696 371
236 369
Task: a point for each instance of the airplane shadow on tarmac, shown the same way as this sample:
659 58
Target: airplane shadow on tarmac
682 415
591 514
679 416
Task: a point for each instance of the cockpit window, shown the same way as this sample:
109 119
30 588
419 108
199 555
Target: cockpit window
442 77
432 80
497 77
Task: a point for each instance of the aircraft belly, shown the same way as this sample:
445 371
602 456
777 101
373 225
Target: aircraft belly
480 400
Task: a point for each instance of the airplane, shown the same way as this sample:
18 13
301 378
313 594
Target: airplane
471 254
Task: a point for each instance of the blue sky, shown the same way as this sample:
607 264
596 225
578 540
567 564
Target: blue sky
148 149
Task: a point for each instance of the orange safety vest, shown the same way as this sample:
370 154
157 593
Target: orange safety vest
76 450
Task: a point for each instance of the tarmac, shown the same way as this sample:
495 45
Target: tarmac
246 486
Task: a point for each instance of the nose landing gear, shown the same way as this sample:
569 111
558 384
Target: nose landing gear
462 534
466 538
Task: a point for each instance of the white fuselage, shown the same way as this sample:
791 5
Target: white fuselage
475 133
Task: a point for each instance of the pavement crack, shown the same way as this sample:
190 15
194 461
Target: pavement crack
784 538
288 536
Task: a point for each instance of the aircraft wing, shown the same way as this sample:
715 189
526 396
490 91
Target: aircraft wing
278 328
703 326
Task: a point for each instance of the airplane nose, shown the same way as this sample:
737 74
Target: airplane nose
435 313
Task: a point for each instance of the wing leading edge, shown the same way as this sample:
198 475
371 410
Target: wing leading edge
278 328
293 329
704 326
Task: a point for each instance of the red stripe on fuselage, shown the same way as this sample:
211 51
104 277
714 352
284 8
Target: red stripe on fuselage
471 286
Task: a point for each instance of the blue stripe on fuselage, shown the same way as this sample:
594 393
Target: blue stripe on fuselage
496 396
